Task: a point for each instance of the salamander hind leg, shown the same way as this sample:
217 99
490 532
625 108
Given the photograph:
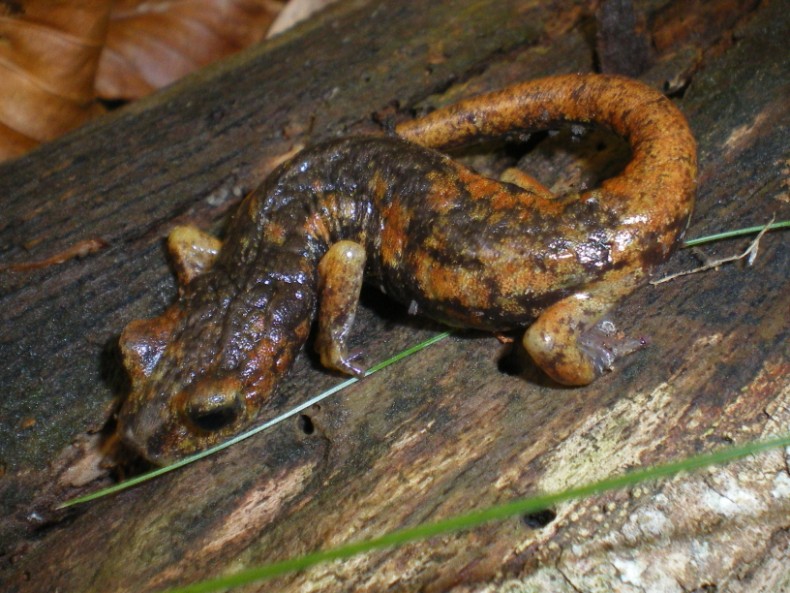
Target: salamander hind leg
340 274
573 342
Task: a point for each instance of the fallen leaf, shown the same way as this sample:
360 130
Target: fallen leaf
152 43
294 12
48 58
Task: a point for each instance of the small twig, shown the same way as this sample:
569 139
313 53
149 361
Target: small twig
750 252
79 249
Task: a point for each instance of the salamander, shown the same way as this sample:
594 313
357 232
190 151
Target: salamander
451 244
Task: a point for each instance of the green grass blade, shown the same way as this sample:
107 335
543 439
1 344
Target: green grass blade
475 518
736 233
245 435
377 367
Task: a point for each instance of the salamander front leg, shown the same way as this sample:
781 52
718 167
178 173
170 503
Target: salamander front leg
572 342
340 274
193 252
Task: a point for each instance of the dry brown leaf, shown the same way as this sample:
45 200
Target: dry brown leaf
48 58
151 43
53 48
294 12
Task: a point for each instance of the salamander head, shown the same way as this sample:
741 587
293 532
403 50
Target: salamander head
195 384
174 408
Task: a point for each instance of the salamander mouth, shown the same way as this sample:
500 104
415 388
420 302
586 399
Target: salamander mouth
199 416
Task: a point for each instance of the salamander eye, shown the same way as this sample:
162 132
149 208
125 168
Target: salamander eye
214 417
215 406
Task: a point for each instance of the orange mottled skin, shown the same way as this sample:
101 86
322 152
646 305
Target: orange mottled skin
451 244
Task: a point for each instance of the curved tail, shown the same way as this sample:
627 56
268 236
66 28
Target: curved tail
660 180
651 200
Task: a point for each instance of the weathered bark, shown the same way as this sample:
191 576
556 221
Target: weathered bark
446 431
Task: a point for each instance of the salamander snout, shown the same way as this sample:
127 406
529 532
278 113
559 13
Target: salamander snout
168 426
214 405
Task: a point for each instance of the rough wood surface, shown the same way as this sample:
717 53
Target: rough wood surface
445 431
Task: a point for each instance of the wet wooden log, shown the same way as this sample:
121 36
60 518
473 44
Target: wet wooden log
453 428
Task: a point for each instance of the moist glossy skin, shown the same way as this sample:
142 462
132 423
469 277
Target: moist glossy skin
461 248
